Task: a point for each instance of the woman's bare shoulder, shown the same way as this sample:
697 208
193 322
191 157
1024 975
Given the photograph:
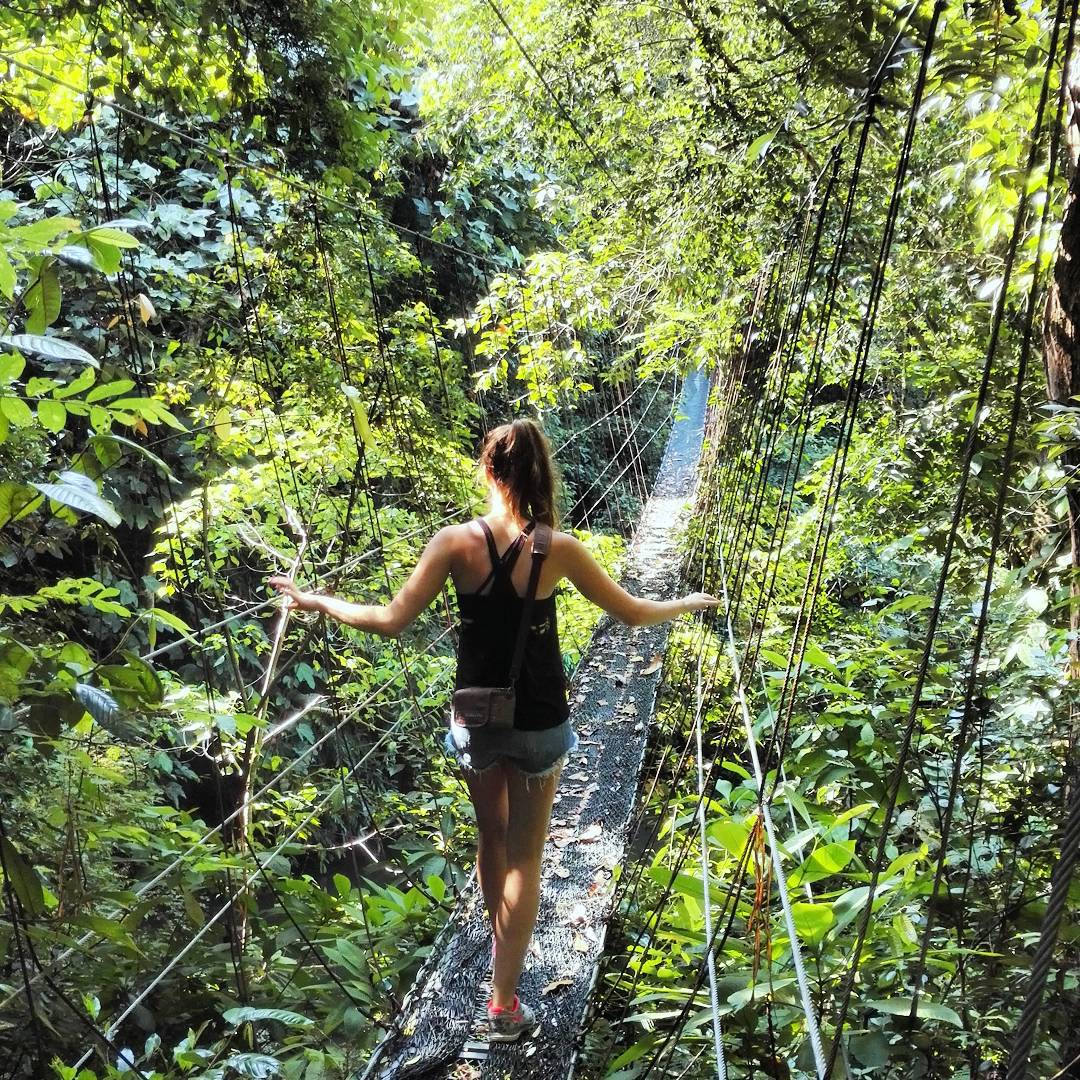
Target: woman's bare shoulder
453 537
565 546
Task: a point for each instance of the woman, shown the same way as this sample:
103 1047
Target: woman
511 773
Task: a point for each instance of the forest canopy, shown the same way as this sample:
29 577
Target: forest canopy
270 271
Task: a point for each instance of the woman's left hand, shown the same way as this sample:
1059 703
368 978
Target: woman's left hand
701 601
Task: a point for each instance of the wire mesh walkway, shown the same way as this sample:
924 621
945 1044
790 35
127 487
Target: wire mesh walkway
612 698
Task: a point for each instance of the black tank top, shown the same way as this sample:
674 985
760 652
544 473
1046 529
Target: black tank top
490 618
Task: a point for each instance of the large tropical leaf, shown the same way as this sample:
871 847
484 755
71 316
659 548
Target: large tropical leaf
80 493
247 1014
48 348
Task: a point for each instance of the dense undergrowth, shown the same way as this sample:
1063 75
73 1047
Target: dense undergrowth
268 275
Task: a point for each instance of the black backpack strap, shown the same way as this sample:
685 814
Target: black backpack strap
541 546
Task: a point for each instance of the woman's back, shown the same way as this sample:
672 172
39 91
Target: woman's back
491 585
471 565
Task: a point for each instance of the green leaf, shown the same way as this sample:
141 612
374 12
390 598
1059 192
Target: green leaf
173 622
870 1049
11 367
111 389
126 684
812 921
756 992
24 879
17 411
114 237
848 815
629 1056
349 954
145 678
223 422
42 299
914 602
760 146
52 415
730 835
823 862
37 385
113 439
7 276
255 1066
359 415
13 498
925 1010
251 1015
106 453
48 348
437 887
80 497
817 656
81 382
107 257
40 233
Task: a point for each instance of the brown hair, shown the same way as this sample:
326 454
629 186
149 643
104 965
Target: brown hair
518 458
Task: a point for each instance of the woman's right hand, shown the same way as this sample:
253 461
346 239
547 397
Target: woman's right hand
297 599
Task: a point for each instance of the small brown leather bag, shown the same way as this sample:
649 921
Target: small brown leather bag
493 706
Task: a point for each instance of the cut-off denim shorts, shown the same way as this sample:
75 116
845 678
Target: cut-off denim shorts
535 753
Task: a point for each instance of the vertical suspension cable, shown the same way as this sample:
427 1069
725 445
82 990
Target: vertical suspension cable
714 1001
774 847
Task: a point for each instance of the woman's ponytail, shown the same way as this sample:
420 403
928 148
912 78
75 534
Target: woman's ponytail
518 457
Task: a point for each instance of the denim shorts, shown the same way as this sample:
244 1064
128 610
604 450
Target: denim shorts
534 753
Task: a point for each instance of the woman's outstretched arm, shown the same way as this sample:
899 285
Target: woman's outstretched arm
424 584
593 582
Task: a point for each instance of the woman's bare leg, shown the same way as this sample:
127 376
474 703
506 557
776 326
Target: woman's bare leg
529 805
489 799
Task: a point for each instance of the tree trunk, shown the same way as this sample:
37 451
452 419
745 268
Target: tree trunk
1061 343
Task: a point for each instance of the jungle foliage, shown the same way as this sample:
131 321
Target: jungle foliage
268 273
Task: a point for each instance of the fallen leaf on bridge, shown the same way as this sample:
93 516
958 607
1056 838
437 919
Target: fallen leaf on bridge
556 984
655 664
